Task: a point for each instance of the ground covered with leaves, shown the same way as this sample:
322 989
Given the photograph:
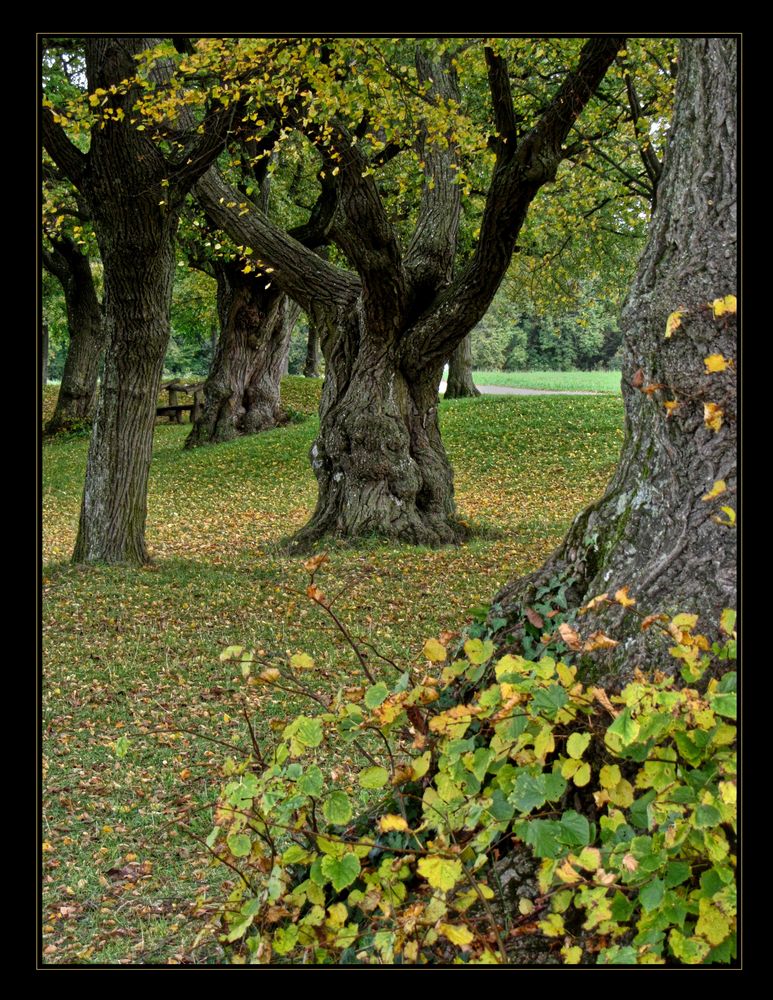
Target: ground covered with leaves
138 711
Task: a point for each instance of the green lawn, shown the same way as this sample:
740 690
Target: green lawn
573 381
135 652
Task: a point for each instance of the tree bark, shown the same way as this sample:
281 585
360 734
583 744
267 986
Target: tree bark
460 384
241 394
653 531
379 459
77 394
311 364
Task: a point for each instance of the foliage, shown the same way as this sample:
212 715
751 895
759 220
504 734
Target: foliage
515 336
633 821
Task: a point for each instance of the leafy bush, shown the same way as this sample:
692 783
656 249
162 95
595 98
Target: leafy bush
625 804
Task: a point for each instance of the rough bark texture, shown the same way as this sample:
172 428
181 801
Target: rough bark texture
652 531
311 364
460 383
77 394
241 394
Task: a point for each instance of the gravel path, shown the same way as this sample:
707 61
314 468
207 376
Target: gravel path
509 390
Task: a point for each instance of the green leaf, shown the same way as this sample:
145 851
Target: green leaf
529 792
312 782
622 907
477 651
724 704
376 694
574 829
341 871
577 744
239 844
712 923
301 661
727 621
373 777
690 950
651 895
308 732
542 836
121 746
676 873
707 816
623 731
337 808
549 700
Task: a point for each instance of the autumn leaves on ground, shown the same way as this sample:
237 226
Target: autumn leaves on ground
139 712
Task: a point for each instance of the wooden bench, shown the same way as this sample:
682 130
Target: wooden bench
175 410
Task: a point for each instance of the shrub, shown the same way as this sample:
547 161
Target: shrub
624 803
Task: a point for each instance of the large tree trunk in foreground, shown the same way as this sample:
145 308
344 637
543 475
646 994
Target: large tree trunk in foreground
460 384
653 531
241 394
77 394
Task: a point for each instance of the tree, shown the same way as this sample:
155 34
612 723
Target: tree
133 181
77 394
388 328
658 530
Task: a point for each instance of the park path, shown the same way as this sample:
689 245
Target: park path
509 390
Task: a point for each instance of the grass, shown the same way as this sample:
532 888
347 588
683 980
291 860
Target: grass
561 381
135 652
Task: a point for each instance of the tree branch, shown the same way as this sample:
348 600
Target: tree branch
66 155
298 271
518 175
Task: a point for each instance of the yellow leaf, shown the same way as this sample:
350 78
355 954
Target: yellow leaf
391 822
712 416
621 596
457 934
435 651
716 363
567 874
301 661
674 320
718 488
525 907
725 305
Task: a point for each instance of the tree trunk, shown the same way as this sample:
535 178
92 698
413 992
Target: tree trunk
139 264
379 460
460 383
44 354
311 364
241 394
77 394
653 531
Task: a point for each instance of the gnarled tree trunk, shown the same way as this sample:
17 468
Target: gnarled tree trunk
379 459
460 384
241 394
653 531
77 393
311 364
